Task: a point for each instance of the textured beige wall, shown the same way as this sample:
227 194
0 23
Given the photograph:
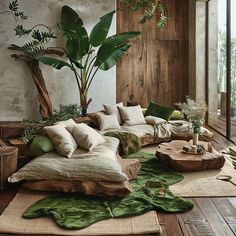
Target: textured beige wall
197 54
17 91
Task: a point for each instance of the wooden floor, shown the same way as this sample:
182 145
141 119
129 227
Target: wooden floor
210 216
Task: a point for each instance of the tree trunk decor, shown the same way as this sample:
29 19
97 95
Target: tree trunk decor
45 105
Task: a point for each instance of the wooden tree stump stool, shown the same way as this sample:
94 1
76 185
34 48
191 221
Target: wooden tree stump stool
8 163
174 157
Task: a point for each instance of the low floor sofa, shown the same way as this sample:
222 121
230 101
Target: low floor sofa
99 171
95 167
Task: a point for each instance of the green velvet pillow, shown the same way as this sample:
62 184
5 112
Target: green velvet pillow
38 146
177 115
160 111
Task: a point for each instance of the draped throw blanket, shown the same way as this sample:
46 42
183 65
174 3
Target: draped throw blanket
129 143
162 130
150 192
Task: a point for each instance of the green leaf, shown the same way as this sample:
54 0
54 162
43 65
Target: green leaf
77 63
78 46
77 37
111 57
69 18
121 38
54 62
100 30
113 45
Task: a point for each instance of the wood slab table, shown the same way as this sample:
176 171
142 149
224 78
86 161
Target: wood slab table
173 156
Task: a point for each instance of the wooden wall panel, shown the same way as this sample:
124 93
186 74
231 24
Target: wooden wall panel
156 66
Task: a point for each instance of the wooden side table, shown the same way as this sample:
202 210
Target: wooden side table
8 163
172 155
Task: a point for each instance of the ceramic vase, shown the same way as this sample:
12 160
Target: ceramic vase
195 139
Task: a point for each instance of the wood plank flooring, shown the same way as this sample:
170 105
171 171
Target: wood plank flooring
210 216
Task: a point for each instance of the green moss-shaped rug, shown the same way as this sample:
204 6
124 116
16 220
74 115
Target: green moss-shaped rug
150 192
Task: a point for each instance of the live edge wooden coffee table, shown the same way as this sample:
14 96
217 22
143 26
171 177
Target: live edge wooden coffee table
173 156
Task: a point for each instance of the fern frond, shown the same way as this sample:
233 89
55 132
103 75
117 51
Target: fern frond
20 15
13 6
21 31
33 48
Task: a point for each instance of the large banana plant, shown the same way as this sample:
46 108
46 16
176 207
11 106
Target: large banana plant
83 56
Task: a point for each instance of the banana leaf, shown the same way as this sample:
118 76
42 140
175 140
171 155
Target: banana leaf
54 62
110 46
113 57
70 21
121 38
101 29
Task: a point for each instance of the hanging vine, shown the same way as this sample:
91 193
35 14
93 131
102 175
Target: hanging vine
149 7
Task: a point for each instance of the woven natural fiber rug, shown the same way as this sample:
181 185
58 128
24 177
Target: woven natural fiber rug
12 222
203 183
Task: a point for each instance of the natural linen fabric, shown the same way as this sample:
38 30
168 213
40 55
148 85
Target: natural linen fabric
150 192
64 142
113 109
67 123
152 120
107 121
86 137
98 165
132 115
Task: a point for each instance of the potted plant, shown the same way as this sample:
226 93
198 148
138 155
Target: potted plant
86 54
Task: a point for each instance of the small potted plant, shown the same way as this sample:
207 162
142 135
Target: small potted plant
195 113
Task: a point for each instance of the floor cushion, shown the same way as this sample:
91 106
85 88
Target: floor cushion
98 165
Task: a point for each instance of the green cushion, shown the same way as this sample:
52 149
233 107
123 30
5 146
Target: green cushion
39 145
160 111
177 115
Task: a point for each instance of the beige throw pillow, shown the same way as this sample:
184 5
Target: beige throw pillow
113 109
86 137
153 120
64 142
107 121
66 123
132 115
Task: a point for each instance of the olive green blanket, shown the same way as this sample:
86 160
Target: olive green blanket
150 192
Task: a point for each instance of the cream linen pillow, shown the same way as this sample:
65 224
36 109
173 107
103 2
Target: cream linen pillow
64 142
86 137
153 120
107 121
113 109
132 115
66 123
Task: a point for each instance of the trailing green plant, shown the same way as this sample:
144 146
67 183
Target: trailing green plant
232 153
35 127
39 35
35 43
86 54
149 8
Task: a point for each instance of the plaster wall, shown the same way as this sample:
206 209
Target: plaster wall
197 54
213 62
200 50
17 91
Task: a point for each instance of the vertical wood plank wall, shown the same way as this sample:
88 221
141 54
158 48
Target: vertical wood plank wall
156 66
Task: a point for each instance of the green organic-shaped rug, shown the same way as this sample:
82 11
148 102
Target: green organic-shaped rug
150 192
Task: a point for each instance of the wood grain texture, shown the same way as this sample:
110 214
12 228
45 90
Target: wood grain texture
156 66
172 155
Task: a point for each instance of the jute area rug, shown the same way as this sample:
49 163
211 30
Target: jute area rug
203 183
12 222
